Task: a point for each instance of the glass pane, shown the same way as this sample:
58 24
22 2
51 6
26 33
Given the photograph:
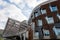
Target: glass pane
58 16
43 11
53 8
32 16
39 22
57 31
36 35
46 32
39 12
33 25
50 20
36 14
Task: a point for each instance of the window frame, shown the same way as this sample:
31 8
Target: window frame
53 8
36 14
58 15
43 11
46 32
37 36
49 20
39 23
56 31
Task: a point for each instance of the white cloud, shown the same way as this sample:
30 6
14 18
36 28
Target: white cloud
3 21
15 1
20 10
33 3
13 11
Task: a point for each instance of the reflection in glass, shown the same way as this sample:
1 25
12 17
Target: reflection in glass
39 22
53 8
49 20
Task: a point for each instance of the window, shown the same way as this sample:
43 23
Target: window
32 16
33 25
39 22
49 20
58 15
36 14
17 23
46 32
57 31
43 11
39 12
36 35
11 21
53 8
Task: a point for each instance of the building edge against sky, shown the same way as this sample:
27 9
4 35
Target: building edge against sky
15 30
45 20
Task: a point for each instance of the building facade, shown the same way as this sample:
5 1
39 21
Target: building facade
16 30
45 20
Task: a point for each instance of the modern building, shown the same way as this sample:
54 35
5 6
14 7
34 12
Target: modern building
16 30
45 20
1 31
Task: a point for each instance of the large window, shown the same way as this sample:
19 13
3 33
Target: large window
57 31
43 11
36 14
46 34
39 22
32 16
39 12
36 35
58 15
53 8
33 25
49 20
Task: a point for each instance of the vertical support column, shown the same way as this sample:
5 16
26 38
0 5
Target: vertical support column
20 37
24 36
40 34
30 34
52 35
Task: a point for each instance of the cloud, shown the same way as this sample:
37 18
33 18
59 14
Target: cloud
3 21
1 7
16 9
15 1
34 3
10 10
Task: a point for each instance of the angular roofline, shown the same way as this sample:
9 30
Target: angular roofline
7 23
46 2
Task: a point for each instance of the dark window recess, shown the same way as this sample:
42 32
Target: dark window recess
47 34
58 33
58 13
49 16
36 14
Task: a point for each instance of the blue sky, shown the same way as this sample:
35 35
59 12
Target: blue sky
17 9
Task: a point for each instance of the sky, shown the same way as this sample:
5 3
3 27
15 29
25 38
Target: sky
16 9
